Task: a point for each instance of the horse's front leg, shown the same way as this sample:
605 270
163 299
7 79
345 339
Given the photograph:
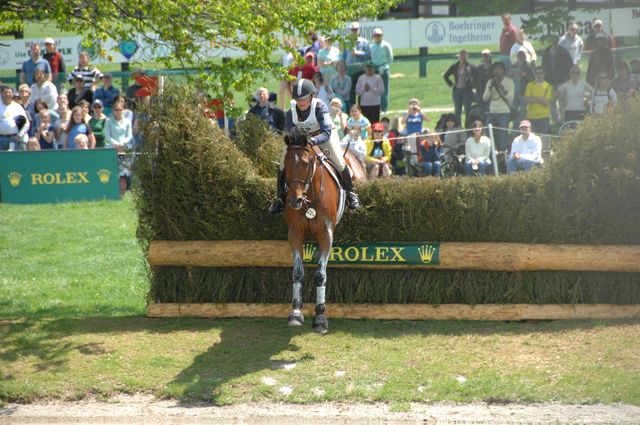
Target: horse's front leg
296 318
320 322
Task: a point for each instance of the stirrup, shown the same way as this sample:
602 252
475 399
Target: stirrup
353 201
276 206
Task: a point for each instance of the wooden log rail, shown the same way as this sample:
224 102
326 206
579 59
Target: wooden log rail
453 255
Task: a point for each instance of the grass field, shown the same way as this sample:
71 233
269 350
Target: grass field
72 325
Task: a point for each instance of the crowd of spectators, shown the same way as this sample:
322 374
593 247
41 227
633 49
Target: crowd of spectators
517 91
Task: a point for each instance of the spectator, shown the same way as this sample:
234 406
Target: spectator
575 96
56 61
477 152
34 62
33 144
355 143
355 57
328 57
306 71
598 28
86 110
341 84
556 62
89 73
339 118
45 133
482 74
413 118
267 111
106 94
600 60
462 86
77 126
522 73
526 150
453 137
288 61
79 92
635 71
314 46
507 36
118 133
499 93
430 152
382 56
370 88
14 124
538 96
378 153
23 98
358 120
40 106
523 44
603 96
323 91
572 43
127 113
623 85
65 115
386 129
81 141
97 122
43 89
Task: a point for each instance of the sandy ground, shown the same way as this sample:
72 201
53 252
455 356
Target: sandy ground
143 409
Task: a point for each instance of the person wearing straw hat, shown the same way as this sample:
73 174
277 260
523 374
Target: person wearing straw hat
526 150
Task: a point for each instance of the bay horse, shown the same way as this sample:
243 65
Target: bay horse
314 205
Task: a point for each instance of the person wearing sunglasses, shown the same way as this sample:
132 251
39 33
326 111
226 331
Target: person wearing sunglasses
575 96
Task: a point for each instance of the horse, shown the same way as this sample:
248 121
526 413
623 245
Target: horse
314 205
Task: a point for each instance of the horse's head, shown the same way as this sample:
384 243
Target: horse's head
299 166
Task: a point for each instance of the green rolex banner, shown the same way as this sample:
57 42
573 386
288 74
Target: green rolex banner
58 175
381 253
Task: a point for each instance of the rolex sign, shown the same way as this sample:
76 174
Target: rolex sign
381 253
29 177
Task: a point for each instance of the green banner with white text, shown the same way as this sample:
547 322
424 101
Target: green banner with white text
30 177
380 253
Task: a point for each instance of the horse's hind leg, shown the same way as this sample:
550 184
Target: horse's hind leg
296 318
320 322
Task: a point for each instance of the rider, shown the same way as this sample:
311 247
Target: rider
311 116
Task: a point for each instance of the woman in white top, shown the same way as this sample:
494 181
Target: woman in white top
477 152
575 95
603 96
523 44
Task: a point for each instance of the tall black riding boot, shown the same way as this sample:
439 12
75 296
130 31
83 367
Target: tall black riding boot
347 184
277 205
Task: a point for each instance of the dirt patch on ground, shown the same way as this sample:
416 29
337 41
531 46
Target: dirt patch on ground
127 409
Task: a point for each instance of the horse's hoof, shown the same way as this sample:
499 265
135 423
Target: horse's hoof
296 318
320 324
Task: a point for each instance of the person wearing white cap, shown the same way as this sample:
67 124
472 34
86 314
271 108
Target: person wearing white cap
382 56
598 28
526 150
55 59
355 57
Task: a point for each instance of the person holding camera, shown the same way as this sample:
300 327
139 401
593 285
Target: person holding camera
413 118
499 92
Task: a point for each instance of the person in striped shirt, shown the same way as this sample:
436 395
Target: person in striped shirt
90 74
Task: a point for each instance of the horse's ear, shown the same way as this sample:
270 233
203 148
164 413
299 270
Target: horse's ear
288 140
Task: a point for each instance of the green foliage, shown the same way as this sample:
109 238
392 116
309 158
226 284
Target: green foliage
200 186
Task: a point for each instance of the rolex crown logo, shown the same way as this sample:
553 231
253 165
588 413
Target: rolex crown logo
426 253
14 178
104 175
307 252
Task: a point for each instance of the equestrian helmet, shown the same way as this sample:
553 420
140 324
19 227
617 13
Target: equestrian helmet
302 88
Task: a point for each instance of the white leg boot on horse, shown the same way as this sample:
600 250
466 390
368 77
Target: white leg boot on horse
277 205
347 184
296 318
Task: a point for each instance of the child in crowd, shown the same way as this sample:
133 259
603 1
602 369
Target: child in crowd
81 141
414 118
355 143
33 144
45 133
429 154
358 120
378 153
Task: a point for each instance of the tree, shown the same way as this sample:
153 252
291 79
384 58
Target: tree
183 29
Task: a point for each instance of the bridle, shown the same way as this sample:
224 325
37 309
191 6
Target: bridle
311 169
